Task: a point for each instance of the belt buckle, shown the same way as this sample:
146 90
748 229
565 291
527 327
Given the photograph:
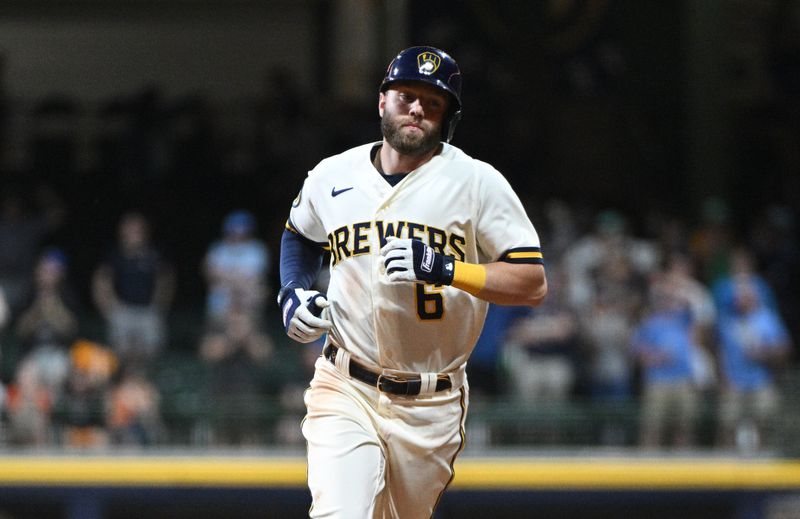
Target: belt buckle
389 377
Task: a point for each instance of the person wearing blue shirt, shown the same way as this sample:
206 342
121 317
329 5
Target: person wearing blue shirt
236 269
662 344
753 343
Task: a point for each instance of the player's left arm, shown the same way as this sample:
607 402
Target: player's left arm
499 282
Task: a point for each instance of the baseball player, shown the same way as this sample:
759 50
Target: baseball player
422 238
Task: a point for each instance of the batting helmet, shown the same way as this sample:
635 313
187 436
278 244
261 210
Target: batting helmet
435 67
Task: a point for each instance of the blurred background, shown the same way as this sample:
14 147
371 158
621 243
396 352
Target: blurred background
150 150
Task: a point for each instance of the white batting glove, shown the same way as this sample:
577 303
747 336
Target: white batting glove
411 260
302 314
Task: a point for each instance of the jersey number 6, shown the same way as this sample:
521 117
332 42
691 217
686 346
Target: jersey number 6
430 303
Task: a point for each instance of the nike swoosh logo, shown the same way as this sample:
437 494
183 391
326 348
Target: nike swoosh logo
337 193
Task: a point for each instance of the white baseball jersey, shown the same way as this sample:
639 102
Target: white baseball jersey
458 205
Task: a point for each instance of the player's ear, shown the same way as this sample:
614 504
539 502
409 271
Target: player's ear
381 102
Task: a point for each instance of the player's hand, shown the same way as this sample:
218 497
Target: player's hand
302 314
412 260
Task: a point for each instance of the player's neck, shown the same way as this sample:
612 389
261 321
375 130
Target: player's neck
390 161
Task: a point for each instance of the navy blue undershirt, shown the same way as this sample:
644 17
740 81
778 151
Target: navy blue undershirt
301 260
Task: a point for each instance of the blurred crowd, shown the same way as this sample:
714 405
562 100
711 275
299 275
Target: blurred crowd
671 316
63 388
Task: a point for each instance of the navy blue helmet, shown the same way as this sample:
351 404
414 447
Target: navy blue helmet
433 66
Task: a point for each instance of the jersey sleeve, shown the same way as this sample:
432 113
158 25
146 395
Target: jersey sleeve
303 217
504 230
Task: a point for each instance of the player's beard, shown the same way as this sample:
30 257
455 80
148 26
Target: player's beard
409 143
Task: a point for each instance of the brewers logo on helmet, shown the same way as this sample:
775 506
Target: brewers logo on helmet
428 63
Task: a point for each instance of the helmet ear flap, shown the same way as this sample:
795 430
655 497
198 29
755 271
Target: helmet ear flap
450 126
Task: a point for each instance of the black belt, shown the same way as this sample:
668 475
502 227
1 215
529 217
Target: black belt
406 386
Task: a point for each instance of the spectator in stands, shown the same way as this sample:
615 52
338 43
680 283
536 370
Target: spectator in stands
92 367
22 233
46 328
605 270
132 409
236 355
133 289
29 407
754 344
541 347
48 325
606 326
680 278
236 269
663 345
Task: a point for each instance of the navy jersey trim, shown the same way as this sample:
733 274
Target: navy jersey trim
523 255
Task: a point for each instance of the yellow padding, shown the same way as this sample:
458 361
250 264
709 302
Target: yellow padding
470 473
627 474
469 277
151 471
524 255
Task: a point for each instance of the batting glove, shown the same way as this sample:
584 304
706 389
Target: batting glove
412 260
302 313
